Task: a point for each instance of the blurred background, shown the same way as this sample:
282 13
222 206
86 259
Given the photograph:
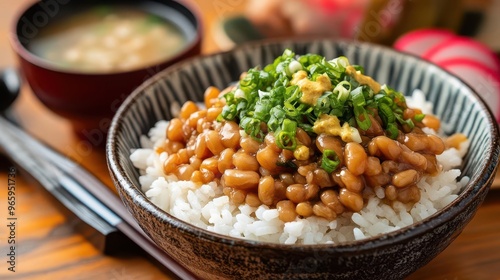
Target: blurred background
336 18
379 21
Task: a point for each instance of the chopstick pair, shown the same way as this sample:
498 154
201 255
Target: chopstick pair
80 192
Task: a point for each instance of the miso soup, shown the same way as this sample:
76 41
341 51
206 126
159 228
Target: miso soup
108 39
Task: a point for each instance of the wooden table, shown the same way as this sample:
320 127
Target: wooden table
48 247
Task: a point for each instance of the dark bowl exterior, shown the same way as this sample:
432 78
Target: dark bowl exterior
393 256
88 99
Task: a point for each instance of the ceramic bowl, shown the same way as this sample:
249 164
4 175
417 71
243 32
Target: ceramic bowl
90 99
391 256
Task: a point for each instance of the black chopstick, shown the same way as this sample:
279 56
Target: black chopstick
75 187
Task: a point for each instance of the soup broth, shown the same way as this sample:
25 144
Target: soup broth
108 39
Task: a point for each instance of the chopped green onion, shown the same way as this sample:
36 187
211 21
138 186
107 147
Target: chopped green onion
359 69
392 131
330 161
252 127
229 112
419 117
358 101
285 137
382 98
342 89
310 59
362 118
294 66
386 114
277 115
288 53
266 96
402 121
262 109
340 63
357 97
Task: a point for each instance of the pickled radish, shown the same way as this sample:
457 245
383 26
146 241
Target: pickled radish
482 79
420 41
460 47
470 60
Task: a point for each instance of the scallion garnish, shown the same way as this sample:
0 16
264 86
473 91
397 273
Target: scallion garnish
252 127
392 130
386 114
358 102
407 122
330 161
285 137
342 90
273 96
419 117
229 112
362 118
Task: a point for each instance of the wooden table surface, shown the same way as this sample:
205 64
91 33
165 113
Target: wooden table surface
48 246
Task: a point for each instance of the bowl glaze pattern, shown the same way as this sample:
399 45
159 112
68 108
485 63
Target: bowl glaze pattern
392 256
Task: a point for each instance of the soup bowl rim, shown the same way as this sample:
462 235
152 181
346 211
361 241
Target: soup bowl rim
38 61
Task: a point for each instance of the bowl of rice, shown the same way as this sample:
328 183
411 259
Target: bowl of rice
303 159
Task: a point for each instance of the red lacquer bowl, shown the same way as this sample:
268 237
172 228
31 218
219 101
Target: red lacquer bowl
89 100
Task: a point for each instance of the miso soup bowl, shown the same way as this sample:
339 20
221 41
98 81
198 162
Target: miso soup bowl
392 256
89 99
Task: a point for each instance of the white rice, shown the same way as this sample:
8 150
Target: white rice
207 207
